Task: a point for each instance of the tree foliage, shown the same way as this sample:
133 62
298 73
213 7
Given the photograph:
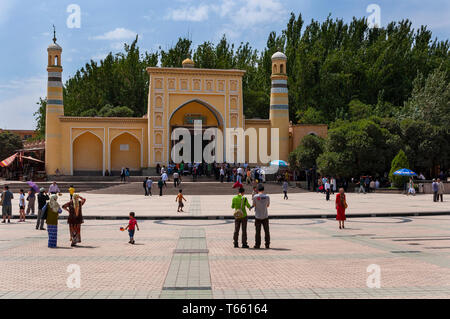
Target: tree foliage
400 161
9 144
306 154
377 88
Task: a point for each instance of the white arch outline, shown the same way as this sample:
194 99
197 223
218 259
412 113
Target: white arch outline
211 108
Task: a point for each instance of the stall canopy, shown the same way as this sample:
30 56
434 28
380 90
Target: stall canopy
12 158
8 161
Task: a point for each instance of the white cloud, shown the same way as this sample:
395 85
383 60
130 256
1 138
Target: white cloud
99 56
189 13
239 15
117 34
18 104
256 12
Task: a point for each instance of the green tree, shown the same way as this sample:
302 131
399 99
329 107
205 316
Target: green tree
306 154
400 161
9 144
430 99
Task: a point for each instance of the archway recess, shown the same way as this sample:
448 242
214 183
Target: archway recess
125 151
87 150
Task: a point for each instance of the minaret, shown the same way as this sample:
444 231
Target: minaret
279 102
55 109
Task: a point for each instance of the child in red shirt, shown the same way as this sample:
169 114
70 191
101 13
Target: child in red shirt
132 225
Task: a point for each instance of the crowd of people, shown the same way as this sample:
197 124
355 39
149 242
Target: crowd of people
48 210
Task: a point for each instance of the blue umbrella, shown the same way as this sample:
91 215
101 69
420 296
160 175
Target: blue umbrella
279 163
405 172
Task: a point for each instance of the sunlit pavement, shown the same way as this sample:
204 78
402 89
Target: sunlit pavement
310 258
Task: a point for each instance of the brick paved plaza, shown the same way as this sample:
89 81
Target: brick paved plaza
214 199
310 258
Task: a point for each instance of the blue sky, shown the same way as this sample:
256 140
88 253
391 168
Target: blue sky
26 31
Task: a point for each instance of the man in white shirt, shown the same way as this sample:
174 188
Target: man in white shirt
261 202
327 188
222 174
165 178
176 179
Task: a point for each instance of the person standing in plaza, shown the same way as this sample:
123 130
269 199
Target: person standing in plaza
285 189
6 204
261 202
440 192
122 175
435 189
74 208
341 206
54 189
132 226
361 185
144 184
176 179
222 174
240 202
53 210
31 201
164 178
42 200
72 191
160 186
149 186
22 206
327 189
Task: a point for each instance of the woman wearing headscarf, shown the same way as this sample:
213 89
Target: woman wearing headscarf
75 218
341 206
53 211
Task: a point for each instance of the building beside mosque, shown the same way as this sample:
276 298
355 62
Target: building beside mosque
178 97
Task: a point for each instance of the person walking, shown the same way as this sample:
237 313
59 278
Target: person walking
341 206
164 178
361 185
411 189
22 206
222 174
144 184
440 192
122 175
31 201
285 190
180 199
74 208
42 201
54 189
149 186
6 204
53 210
327 189
240 203
160 186
435 189
261 202
176 179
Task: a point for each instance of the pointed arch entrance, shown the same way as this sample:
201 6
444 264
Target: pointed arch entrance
185 116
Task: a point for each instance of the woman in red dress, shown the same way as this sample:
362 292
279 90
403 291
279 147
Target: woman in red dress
341 206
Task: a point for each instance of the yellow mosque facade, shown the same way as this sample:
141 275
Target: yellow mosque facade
178 97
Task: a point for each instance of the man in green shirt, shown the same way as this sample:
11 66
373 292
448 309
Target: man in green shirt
240 202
